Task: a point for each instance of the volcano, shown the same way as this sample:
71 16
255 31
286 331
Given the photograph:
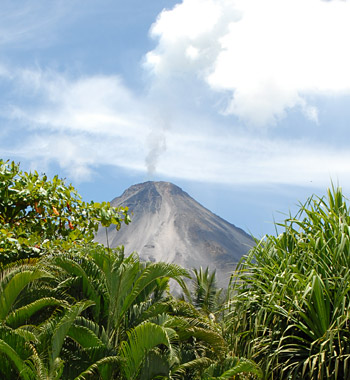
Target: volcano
168 225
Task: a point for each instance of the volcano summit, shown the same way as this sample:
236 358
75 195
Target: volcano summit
168 225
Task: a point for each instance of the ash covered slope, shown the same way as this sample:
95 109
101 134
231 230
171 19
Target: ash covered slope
168 225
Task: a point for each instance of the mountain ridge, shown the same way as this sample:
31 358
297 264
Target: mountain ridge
169 225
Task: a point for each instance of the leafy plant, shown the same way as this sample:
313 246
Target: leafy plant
203 292
37 214
290 302
124 291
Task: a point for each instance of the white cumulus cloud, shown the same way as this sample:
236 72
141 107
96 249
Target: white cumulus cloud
265 56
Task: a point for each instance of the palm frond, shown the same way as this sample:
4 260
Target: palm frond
21 315
141 339
20 364
63 326
15 285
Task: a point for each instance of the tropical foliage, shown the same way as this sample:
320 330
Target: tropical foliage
204 293
37 214
104 316
290 302
73 309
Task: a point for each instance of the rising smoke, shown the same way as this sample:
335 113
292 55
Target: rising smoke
156 144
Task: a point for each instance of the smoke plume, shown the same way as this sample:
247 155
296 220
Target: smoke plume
156 144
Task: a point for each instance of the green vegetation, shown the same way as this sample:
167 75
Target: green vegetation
204 293
38 215
73 309
289 309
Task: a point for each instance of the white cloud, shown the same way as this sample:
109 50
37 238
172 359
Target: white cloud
29 23
93 121
264 57
311 113
79 123
241 159
95 104
80 155
192 27
267 56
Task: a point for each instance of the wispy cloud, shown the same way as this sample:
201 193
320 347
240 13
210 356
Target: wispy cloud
87 122
78 122
93 104
28 23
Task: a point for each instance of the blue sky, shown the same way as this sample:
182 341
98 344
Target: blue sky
245 104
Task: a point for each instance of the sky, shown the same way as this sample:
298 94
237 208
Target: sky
244 104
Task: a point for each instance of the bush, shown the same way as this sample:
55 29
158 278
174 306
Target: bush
290 304
37 214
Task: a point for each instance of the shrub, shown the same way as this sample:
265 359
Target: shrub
290 305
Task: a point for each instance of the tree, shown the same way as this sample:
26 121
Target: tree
37 214
136 329
14 317
203 292
32 331
124 291
290 301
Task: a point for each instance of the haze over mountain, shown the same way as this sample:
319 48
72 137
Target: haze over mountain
168 225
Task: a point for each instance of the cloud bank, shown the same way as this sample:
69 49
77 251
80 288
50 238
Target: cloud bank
87 122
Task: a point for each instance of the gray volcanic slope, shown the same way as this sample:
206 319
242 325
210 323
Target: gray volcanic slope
168 225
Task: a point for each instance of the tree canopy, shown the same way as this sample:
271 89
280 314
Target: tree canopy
37 214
